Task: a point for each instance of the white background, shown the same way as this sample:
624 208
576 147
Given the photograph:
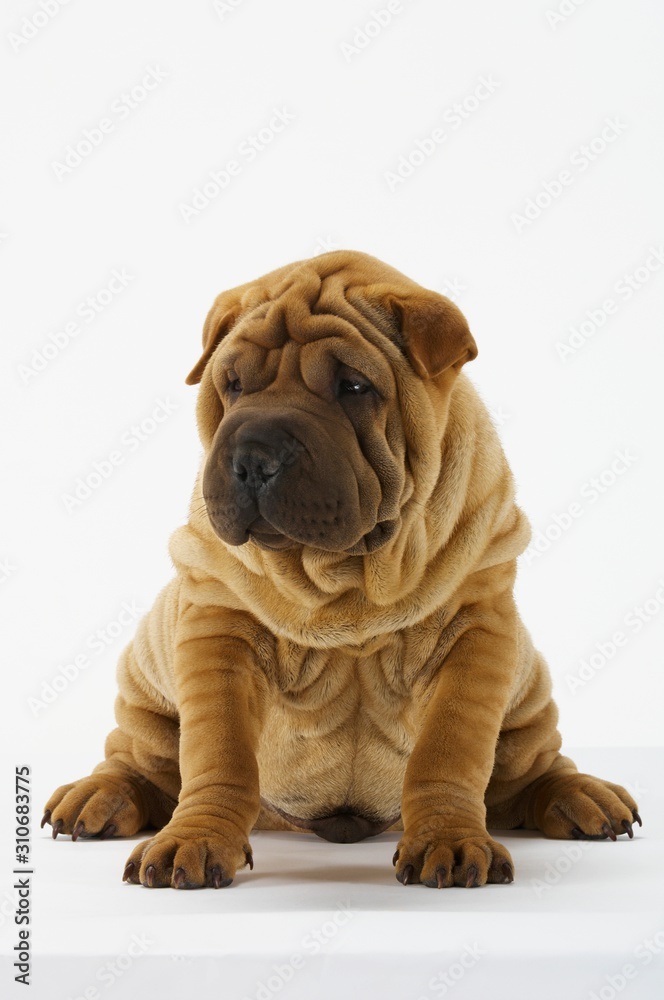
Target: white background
453 226
322 183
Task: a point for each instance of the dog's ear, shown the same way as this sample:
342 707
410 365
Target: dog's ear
434 332
219 320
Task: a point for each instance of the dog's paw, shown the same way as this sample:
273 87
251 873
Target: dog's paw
440 859
186 859
580 807
101 805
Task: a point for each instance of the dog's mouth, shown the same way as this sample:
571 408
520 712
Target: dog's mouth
267 537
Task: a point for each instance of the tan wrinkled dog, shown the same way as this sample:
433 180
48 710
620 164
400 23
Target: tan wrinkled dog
339 651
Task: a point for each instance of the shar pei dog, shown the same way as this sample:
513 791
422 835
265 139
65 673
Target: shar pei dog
339 651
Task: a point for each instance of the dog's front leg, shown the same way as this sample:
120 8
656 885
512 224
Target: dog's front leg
221 700
445 841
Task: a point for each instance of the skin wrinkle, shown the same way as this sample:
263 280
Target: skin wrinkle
322 680
285 374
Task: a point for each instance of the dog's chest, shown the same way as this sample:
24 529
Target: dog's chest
380 678
341 725
311 680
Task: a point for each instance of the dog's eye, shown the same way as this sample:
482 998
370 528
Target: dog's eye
234 386
354 385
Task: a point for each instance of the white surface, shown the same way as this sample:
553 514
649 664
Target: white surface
576 914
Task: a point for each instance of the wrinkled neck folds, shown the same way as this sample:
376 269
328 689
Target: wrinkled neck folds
456 514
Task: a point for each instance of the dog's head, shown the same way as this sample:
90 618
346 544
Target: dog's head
305 375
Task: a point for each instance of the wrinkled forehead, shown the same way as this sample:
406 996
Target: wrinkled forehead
284 337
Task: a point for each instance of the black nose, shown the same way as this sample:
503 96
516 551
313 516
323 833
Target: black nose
256 463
